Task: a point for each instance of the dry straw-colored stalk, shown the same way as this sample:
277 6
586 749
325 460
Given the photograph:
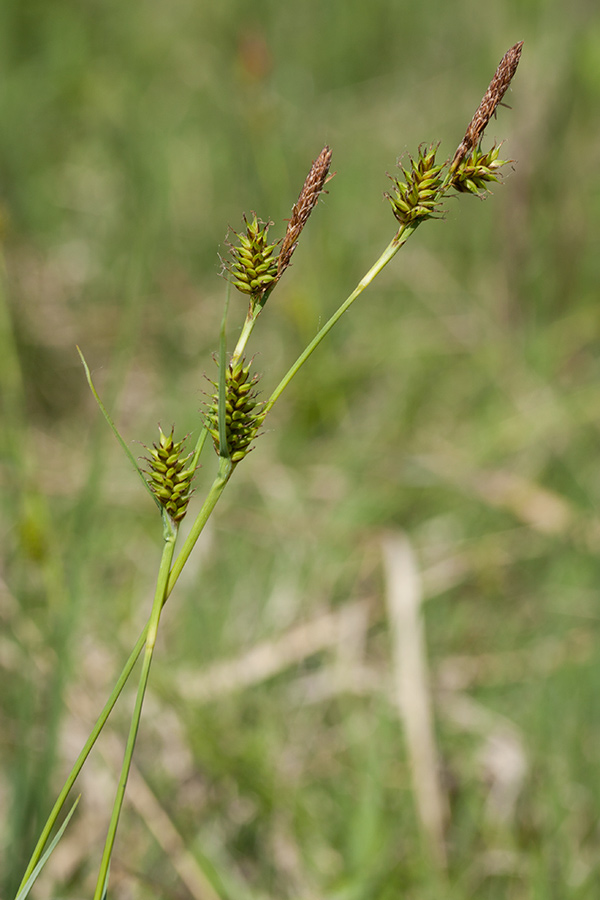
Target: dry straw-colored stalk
312 188
412 688
493 96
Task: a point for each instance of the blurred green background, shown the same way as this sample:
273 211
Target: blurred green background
458 403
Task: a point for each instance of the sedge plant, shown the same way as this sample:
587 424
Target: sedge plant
234 413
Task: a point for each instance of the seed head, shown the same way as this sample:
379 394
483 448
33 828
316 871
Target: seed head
416 198
309 195
493 96
477 170
254 268
169 478
243 413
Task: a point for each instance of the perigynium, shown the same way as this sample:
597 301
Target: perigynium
235 413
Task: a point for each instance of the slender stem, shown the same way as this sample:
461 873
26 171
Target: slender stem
255 309
390 251
159 600
222 388
244 335
100 722
223 475
199 447
215 492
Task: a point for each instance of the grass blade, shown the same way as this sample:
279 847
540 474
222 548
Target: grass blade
114 428
24 892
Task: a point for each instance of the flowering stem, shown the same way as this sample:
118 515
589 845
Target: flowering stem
159 600
480 170
244 335
390 251
85 752
251 317
224 473
226 468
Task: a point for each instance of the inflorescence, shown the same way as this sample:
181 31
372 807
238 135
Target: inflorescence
170 480
243 411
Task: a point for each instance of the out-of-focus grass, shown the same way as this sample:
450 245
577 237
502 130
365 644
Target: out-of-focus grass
458 401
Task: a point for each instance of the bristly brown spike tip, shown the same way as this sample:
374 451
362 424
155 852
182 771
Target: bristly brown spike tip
309 195
498 86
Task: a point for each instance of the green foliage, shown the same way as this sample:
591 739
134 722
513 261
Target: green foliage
457 401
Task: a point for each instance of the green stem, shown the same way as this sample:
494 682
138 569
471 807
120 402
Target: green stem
222 389
244 335
77 767
256 307
159 601
390 251
199 447
166 581
223 475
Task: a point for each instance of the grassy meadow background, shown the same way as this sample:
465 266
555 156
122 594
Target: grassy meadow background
458 403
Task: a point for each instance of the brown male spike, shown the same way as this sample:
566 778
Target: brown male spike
493 96
313 186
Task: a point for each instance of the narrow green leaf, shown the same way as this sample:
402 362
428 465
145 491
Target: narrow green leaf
33 877
115 431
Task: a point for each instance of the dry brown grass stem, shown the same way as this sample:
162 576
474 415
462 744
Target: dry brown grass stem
412 688
330 630
312 188
493 96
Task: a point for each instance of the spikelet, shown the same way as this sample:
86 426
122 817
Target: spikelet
416 198
497 88
169 478
243 412
477 170
309 195
253 269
